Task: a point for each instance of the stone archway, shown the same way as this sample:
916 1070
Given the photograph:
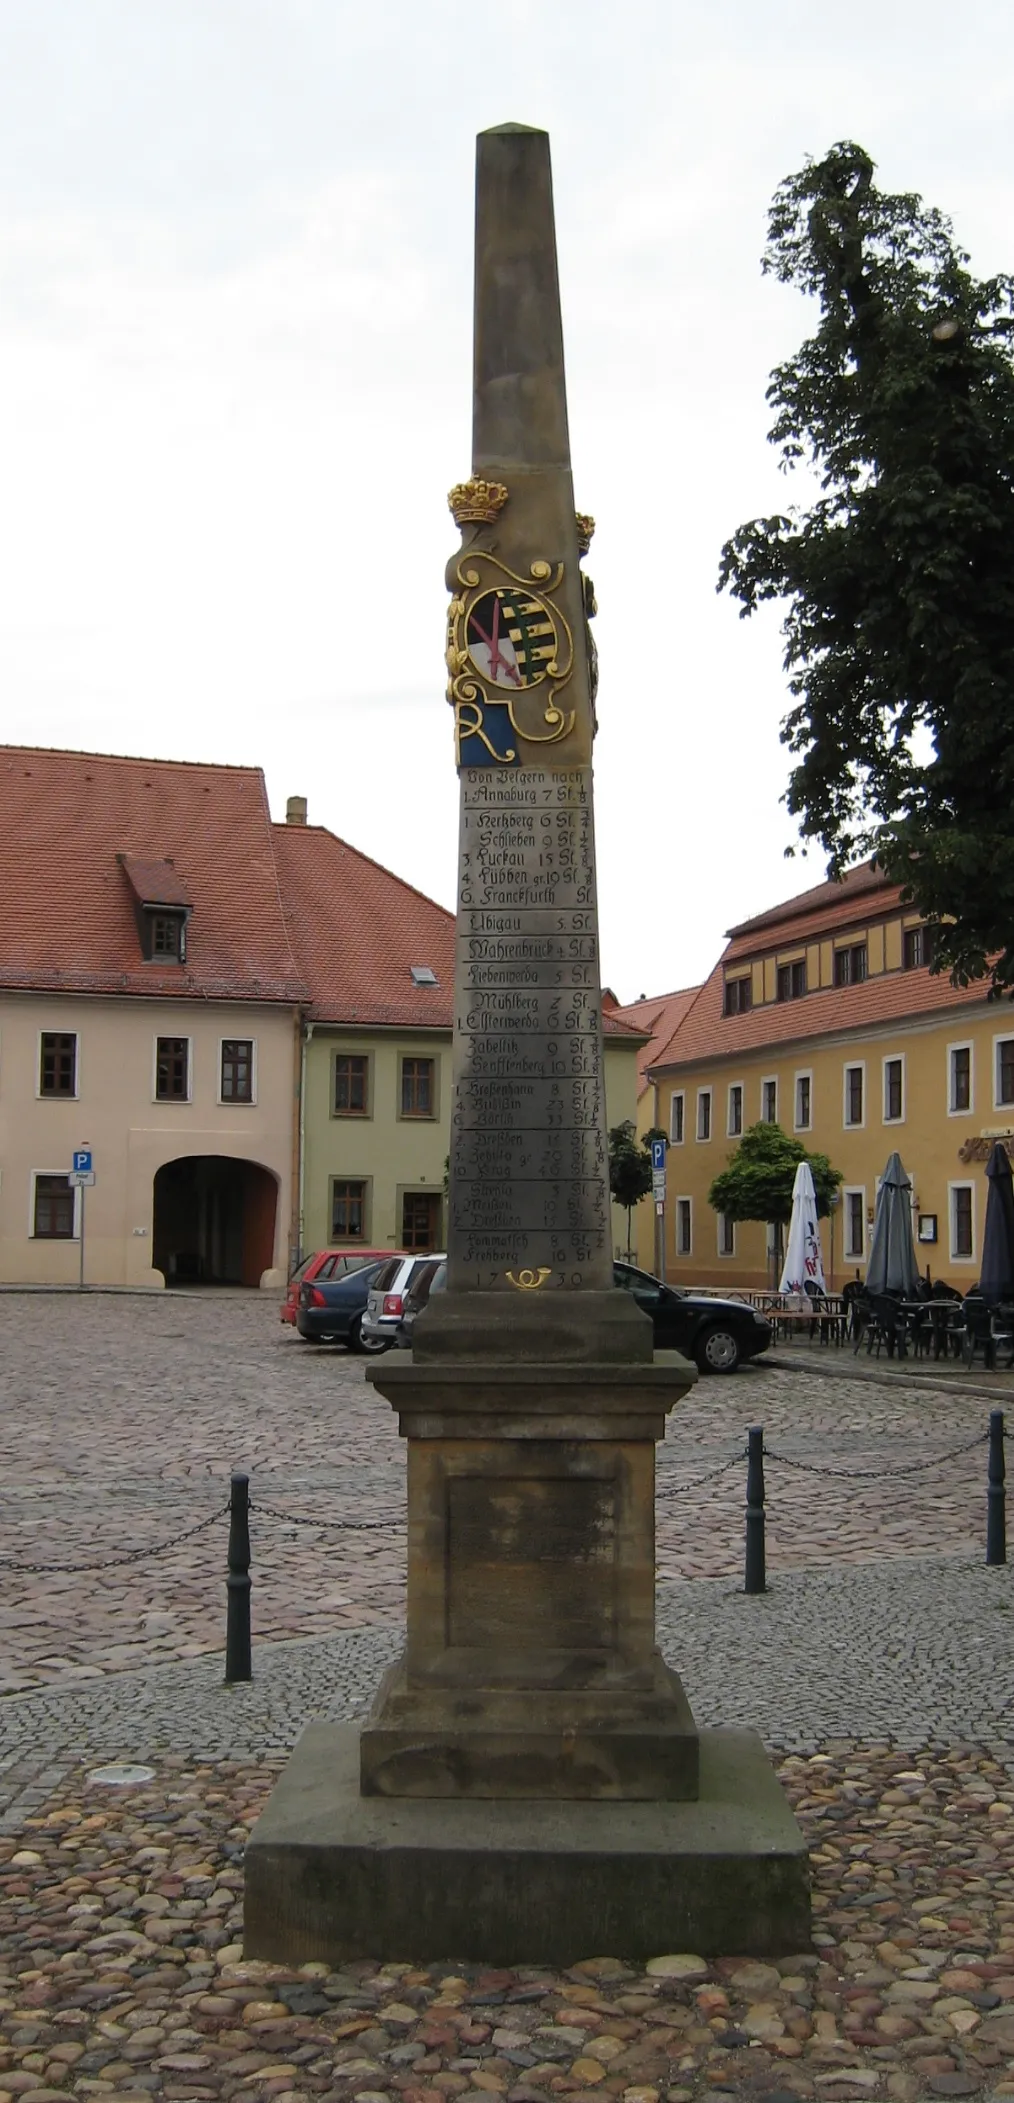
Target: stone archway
214 1220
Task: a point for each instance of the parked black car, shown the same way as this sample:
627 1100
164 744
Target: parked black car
330 1310
717 1334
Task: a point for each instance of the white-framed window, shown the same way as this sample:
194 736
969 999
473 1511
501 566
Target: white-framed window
894 1089
803 1105
769 1100
58 1067
684 1226
734 1121
704 1113
677 1115
961 1212
853 1111
726 1235
172 1079
853 1202
960 1080
237 1070
1003 1072
54 1206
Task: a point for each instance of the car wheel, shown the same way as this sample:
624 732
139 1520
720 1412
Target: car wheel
717 1351
374 1346
356 1341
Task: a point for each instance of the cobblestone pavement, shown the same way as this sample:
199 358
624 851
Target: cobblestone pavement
120 1420
912 1651
122 1972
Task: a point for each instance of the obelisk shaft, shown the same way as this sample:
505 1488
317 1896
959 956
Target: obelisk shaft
529 1191
519 407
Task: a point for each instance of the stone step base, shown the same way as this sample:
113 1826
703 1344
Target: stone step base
332 1875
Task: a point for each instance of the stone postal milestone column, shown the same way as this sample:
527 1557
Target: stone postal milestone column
532 1401
529 1786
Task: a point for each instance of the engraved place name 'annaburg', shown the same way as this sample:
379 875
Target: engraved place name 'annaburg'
528 1148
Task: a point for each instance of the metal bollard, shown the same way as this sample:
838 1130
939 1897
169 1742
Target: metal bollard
237 1626
756 1579
996 1495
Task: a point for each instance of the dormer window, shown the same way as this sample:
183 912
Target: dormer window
738 995
162 907
167 937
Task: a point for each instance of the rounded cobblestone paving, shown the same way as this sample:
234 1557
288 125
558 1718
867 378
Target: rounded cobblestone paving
879 1668
122 1972
122 1417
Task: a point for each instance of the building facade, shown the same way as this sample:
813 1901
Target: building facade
823 1016
247 1025
378 958
149 1012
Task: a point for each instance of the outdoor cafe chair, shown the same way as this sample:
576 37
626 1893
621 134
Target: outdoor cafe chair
881 1320
986 1329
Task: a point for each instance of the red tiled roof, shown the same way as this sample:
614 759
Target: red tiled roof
357 931
853 884
832 919
155 883
705 1032
68 922
891 996
656 1018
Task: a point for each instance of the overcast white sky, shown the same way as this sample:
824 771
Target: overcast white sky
235 309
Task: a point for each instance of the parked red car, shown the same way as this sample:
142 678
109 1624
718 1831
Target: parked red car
325 1263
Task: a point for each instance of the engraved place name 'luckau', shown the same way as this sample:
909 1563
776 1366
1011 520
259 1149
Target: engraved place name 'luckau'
528 1149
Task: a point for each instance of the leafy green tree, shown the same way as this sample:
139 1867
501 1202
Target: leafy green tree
899 576
630 1168
757 1182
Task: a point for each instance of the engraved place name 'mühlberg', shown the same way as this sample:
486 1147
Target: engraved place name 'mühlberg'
528 1123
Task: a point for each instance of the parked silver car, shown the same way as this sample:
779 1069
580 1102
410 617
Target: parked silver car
386 1303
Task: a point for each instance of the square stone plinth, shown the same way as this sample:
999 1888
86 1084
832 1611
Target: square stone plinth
530 1666
332 1875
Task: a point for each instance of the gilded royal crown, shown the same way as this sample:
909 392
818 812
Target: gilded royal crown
477 502
585 528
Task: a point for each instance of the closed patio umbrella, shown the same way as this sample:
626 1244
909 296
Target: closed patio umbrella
804 1264
892 1266
996 1278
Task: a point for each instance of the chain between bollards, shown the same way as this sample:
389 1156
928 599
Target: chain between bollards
238 1665
755 1576
996 1495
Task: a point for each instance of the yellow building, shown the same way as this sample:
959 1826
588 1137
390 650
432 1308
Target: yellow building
378 958
823 1017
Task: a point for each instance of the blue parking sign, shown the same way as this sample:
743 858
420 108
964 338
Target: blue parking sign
658 1154
83 1162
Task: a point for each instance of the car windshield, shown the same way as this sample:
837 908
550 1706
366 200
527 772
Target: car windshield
632 1280
387 1273
301 1270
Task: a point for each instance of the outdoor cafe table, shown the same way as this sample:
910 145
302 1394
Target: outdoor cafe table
825 1321
936 1320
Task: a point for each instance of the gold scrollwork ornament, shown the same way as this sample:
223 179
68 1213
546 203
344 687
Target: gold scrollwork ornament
505 641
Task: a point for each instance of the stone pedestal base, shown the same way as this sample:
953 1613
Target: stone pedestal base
610 1742
332 1875
530 1667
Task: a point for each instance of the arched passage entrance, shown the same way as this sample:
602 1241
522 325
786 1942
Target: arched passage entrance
214 1220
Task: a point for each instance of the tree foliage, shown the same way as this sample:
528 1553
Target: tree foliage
757 1183
899 576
